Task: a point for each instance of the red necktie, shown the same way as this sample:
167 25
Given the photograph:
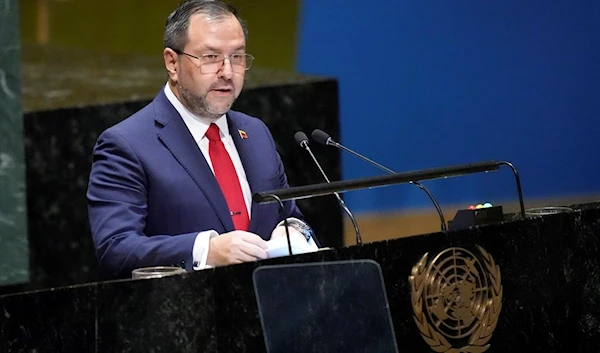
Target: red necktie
227 179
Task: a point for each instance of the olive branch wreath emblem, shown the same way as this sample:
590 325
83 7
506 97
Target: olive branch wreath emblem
488 313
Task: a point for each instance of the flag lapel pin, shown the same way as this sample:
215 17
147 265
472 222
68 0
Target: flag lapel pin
243 134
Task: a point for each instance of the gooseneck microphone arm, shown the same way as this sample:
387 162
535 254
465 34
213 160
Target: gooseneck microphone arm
324 138
302 140
518 181
285 222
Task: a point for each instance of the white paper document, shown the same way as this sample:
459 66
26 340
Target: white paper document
279 246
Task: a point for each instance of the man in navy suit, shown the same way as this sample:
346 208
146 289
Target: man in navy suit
173 183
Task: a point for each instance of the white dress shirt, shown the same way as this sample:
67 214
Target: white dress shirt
198 127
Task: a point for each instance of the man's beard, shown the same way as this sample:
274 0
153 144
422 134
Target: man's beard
200 106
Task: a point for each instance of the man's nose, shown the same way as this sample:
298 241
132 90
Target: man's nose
226 69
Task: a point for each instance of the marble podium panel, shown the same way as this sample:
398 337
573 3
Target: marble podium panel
542 286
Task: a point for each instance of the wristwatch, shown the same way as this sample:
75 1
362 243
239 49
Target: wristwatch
300 226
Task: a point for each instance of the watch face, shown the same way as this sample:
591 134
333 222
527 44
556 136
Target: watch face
301 227
306 234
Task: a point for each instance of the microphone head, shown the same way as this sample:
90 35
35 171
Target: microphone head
301 138
321 136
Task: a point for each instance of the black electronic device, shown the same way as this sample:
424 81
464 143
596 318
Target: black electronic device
474 217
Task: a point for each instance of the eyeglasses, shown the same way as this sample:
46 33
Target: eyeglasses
212 63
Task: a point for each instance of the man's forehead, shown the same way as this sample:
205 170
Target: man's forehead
200 19
211 31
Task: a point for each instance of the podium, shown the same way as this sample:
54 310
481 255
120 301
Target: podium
540 277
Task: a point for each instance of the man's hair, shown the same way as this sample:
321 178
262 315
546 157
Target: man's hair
176 28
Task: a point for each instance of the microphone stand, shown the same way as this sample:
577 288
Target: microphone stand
304 144
329 141
302 140
285 222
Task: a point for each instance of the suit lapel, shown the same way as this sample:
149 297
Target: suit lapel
176 137
247 150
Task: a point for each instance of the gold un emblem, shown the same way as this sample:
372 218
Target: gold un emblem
456 299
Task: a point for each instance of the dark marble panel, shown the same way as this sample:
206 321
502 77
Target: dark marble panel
236 310
547 268
582 269
58 148
173 314
538 302
537 296
59 320
14 259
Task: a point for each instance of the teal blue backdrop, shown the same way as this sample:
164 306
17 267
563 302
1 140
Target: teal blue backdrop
434 83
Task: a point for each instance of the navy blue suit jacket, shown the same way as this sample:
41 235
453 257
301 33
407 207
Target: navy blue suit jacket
151 191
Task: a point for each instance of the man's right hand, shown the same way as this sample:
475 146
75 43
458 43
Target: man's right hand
235 247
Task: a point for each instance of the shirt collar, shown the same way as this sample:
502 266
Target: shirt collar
196 124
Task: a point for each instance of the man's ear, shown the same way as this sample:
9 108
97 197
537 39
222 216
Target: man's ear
171 63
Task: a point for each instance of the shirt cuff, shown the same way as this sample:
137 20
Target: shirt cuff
200 250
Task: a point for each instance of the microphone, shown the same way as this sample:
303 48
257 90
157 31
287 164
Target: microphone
323 138
302 140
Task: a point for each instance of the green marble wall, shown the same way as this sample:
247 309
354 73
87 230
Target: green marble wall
14 254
